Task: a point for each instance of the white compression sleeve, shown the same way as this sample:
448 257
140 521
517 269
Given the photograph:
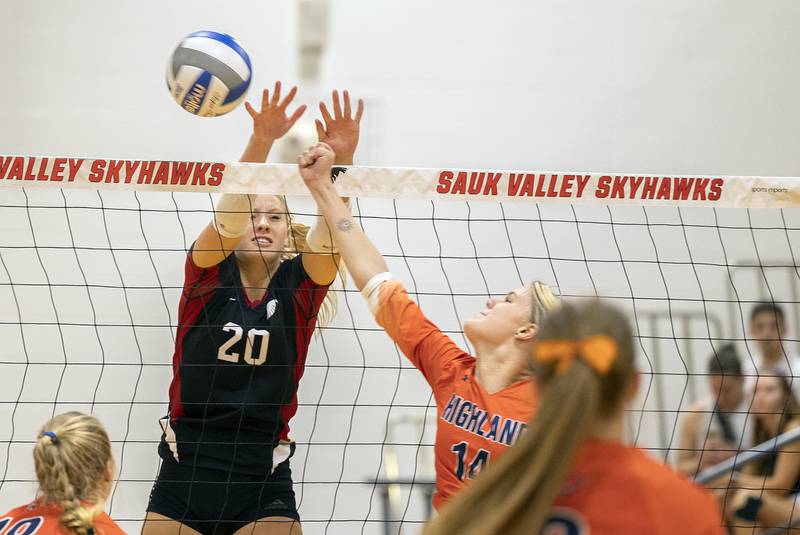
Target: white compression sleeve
371 292
232 214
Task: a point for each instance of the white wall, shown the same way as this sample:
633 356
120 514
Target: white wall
679 86
671 87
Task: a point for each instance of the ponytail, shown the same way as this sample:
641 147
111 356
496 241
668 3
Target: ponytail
543 301
515 493
72 456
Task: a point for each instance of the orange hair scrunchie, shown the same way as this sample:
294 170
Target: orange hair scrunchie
598 351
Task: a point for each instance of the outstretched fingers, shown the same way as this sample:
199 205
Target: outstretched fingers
347 109
359 111
264 99
326 116
288 100
337 107
250 110
296 115
321 134
276 95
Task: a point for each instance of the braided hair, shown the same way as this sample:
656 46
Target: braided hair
72 458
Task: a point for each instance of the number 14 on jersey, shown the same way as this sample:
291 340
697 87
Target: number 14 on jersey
476 464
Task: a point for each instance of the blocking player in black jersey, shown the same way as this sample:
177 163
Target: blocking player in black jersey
246 317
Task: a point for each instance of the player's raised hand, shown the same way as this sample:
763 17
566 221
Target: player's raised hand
340 130
272 122
315 165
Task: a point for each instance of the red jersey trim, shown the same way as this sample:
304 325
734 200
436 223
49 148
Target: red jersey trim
307 300
190 308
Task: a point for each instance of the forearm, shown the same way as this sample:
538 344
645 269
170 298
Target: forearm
228 224
359 254
750 481
766 483
257 150
343 159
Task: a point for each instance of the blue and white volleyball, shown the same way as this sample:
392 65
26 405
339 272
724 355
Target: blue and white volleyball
209 73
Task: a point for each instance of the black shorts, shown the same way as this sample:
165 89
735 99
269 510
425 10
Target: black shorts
206 501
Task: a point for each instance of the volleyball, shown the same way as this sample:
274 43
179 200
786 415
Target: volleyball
209 73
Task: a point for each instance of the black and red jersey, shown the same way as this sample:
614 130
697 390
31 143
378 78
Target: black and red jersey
237 365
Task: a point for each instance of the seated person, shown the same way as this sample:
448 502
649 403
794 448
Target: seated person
714 427
766 489
770 356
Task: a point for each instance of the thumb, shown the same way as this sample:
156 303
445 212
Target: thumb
250 110
321 134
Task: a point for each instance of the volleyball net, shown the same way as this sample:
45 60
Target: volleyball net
91 269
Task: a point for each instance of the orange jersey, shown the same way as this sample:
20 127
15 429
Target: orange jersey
614 489
473 426
42 519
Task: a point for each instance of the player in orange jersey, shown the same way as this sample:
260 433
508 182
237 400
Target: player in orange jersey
484 401
75 470
571 472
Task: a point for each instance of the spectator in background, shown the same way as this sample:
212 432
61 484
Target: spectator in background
766 490
767 330
714 427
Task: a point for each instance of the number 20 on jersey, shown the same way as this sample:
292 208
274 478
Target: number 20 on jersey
256 338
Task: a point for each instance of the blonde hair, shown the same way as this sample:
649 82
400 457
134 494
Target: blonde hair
298 233
515 493
543 301
72 455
